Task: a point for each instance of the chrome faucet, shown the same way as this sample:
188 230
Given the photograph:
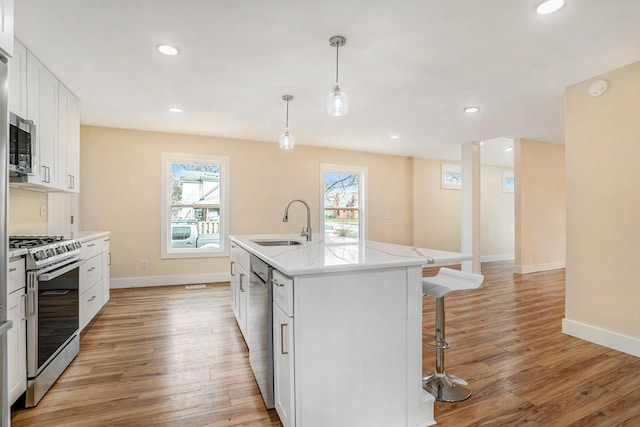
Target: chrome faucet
306 231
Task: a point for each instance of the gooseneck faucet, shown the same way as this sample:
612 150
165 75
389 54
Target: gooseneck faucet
306 231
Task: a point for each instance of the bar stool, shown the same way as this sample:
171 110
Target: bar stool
445 387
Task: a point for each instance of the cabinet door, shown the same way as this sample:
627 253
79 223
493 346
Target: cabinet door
243 299
42 108
283 376
16 348
18 81
106 275
6 26
234 289
68 139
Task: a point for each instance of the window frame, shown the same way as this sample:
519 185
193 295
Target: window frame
165 215
362 172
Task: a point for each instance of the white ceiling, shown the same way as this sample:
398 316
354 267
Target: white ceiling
409 67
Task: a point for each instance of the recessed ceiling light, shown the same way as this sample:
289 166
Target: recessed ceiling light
549 6
394 137
471 109
175 109
168 50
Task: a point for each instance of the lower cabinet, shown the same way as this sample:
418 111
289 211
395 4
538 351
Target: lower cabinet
283 366
94 278
106 265
240 286
17 335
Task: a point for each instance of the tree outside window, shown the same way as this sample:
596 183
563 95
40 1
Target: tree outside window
343 197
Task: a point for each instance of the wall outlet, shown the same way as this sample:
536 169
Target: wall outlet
43 210
143 264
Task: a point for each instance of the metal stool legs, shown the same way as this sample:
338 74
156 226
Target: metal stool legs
444 387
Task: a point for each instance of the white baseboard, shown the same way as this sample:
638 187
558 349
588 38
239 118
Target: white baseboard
499 257
534 268
187 279
602 337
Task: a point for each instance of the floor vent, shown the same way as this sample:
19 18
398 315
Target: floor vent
196 286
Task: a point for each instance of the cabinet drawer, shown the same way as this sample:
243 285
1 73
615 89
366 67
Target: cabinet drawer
283 292
240 256
90 273
90 304
90 249
17 274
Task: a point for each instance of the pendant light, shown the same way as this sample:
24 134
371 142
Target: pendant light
337 101
286 139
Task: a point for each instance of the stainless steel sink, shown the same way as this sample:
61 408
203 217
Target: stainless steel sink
277 242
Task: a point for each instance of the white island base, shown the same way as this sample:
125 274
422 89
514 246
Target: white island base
358 349
347 328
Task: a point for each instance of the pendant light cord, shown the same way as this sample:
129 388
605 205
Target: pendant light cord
337 56
287 113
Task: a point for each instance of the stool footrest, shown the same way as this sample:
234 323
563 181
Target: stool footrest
438 345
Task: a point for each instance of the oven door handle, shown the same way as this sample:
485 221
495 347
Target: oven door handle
59 272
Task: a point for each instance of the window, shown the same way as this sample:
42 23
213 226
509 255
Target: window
343 200
195 203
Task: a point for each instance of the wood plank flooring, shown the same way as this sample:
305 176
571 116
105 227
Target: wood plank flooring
175 357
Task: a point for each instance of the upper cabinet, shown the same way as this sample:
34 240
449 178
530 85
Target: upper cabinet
68 139
18 80
36 94
6 27
42 108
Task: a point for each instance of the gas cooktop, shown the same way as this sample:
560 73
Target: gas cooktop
27 242
45 251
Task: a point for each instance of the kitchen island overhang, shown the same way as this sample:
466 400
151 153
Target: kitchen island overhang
356 321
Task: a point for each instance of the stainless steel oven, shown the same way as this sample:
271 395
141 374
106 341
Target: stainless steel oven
53 278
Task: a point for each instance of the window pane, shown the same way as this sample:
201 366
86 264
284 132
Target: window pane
195 205
195 183
341 208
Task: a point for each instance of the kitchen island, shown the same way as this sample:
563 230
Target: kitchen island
347 338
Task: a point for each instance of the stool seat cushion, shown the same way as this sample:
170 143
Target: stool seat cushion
448 280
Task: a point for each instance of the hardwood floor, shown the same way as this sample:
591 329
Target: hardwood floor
175 357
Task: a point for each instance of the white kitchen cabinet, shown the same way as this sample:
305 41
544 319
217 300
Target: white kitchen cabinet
90 280
6 26
42 108
106 265
68 140
18 80
283 348
240 267
17 335
36 94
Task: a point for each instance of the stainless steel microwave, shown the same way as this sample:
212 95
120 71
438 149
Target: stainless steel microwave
22 151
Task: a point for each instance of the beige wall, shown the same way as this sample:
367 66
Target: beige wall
603 209
436 212
497 218
540 229
120 172
24 212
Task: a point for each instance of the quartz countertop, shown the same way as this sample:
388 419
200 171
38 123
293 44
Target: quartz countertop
84 236
330 254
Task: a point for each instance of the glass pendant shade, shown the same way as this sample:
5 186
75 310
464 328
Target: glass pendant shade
287 140
337 102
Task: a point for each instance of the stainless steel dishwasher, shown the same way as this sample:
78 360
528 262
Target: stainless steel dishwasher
260 318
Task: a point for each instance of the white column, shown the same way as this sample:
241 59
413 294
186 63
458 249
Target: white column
470 233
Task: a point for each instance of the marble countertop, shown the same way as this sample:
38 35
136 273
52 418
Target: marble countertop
328 254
